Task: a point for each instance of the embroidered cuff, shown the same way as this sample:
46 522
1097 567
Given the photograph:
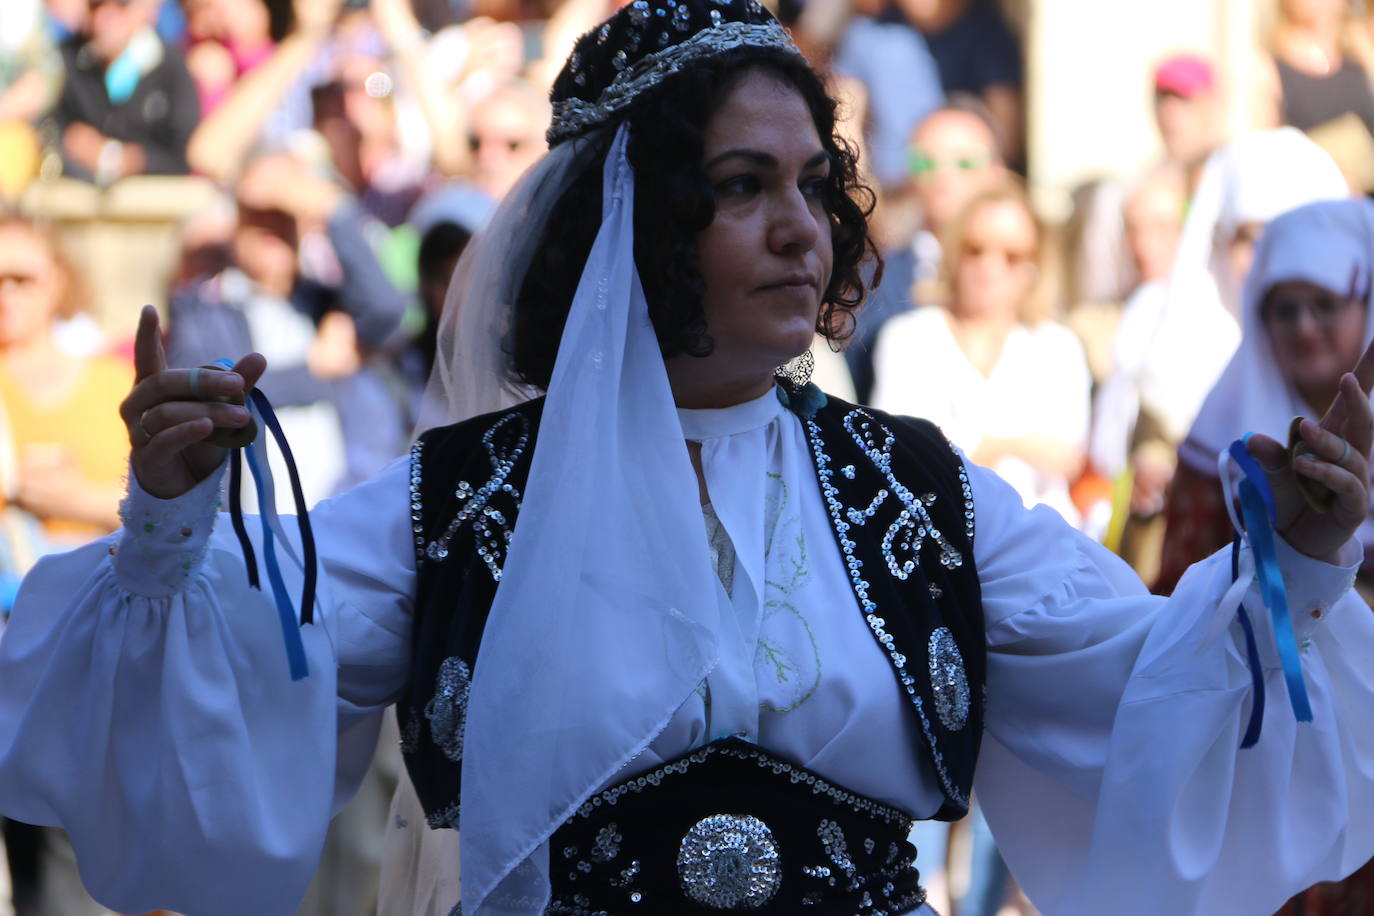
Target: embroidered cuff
1314 586
164 540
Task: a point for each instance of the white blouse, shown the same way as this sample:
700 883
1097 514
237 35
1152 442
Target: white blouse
145 703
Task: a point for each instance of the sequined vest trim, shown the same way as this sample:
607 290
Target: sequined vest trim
902 512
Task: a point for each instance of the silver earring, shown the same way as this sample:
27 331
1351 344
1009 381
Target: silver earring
796 372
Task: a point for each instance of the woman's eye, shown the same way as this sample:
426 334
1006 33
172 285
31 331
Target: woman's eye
739 185
814 187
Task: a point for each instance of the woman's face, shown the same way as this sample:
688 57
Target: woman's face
1316 335
766 257
995 265
1314 13
30 287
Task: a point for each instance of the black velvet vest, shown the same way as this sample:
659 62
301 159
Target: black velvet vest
902 513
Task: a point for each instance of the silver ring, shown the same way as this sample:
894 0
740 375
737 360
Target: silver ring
194 382
1344 455
147 436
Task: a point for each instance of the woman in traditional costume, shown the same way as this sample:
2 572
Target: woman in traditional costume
688 638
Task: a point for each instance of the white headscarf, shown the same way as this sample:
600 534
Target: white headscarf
1330 244
1253 179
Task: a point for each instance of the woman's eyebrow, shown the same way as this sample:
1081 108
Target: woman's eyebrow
765 160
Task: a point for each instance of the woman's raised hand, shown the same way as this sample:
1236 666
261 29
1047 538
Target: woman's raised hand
170 412
1339 461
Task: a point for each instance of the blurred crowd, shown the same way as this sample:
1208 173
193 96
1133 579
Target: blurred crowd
355 146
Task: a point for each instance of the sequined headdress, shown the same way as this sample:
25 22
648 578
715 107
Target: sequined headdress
624 59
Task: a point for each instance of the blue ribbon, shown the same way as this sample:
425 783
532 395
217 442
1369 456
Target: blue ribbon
295 647
1259 513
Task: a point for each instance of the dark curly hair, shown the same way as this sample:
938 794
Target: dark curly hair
673 203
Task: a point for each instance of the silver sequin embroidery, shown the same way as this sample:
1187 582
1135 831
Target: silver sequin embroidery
574 116
948 681
841 520
492 530
729 862
447 710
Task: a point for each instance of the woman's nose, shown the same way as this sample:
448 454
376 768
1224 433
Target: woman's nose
794 223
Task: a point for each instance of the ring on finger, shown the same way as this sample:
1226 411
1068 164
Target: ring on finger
194 382
1344 454
147 436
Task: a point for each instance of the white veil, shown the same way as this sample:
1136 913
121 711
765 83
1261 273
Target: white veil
606 617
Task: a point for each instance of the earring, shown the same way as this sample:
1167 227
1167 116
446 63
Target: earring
796 372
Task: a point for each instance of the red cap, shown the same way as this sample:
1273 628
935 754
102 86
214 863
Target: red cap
1186 75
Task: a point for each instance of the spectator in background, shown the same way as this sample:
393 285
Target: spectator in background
1188 112
30 73
62 465
268 101
128 105
70 470
901 85
1102 268
508 128
977 53
1317 81
1006 384
310 333
953 155
355 113
1137 456
454 70
227 39
445 219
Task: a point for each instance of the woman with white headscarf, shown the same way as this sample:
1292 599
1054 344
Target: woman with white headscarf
1176 336
1306 319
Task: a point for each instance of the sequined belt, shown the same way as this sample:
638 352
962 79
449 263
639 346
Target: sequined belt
731 827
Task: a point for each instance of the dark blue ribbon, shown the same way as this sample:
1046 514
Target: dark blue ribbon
295 646
1258 515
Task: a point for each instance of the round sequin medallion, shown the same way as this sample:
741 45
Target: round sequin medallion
948 682
729 862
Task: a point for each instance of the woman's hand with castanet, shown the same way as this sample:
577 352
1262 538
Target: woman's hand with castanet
170 413
1338 459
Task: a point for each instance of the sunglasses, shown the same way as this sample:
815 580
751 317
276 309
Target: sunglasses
513 144
920 162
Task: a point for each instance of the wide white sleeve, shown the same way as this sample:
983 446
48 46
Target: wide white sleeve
1111 772
147 708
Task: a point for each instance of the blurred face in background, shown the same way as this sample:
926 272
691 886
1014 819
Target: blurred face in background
952 158
1154 221
244 21
113 23
266 240
31 285
1317 335
1314 14
995 266
507 137
1187 126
